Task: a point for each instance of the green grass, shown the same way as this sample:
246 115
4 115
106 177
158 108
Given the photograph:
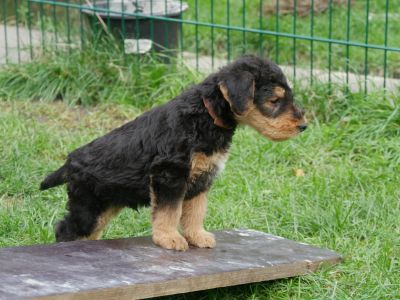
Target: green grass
347 201
97 74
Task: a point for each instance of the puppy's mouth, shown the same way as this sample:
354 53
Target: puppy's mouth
279 136
279 139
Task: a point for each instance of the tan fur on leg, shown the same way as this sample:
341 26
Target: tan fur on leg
165 221
193 213
102 222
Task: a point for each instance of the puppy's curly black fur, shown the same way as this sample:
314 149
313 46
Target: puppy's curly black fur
169 156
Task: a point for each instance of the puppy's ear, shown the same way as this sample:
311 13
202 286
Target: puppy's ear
238 90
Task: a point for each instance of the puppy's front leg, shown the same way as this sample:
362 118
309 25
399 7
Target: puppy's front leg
165 221
167 190
194 211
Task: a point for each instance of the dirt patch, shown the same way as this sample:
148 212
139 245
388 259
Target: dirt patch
303 7
59 114
8 202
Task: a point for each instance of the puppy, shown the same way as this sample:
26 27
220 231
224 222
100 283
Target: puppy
169 156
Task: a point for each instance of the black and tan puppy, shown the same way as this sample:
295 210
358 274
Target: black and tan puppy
169 156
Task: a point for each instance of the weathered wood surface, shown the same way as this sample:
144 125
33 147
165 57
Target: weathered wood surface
135 268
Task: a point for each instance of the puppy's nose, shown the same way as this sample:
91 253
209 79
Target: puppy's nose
302 127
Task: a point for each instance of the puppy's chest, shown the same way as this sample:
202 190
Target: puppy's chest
202 164
203 171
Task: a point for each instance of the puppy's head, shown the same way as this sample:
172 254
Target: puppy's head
259 96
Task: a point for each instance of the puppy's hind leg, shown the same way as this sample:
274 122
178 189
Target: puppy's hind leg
86 218
101 222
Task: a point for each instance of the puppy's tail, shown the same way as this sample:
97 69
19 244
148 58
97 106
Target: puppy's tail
54 179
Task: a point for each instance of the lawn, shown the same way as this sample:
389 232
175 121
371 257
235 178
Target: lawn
348 199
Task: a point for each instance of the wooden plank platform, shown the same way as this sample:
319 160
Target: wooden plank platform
134 268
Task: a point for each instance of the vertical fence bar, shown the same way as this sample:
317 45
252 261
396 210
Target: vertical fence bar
5 29
108 16
68 27
55 25
166 27
137 29
244 43
330 48
30 30
348 46
366 48
123 27
42 26
260 36
96 29
196 14
277 30
93 20
312 43
17 28
386 43
228 32
212 35
294 39
81 25
181 29
137 33
137 36
152 24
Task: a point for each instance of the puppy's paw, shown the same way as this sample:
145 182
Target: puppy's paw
201 239
170 240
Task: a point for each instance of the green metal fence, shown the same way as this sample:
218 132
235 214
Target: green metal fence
357 42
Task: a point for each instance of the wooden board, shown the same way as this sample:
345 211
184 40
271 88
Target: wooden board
135 268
